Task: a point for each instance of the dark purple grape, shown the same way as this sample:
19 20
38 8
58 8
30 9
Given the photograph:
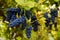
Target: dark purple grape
16 22
35 25
23 23
46 15
47 19
33 18
54 12
28 31
18 10
9 14
13 18
28 14
47 23
53 19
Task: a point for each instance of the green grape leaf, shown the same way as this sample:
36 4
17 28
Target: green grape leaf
20 2
27 8
26 4
29 5
56 0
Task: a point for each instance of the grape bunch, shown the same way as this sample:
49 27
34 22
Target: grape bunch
16 22
28 14
33 18
28 31
34 23
18 10
54 13
11 13
23 23
47 19
46 15
13 17
22 19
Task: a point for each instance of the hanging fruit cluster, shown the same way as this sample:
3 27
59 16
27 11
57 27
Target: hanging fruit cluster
26 18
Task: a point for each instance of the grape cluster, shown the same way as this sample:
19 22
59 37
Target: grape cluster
23 22
18 10
33 18
47 19
28 31
54 13
28 14
22 16
16 22
34 23
11 12
13 17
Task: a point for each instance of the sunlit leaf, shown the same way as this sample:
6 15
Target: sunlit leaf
56 0
26 4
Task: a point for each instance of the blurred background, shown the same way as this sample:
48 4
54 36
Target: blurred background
37 8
